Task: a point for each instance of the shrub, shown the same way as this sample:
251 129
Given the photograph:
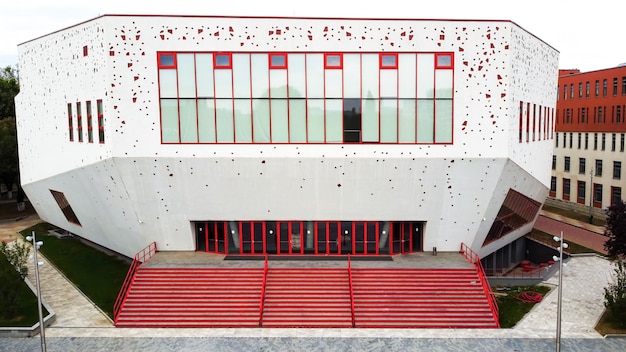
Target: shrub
615 295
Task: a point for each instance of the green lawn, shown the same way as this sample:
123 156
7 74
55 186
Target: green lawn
98 275
26 305
513 310
547 239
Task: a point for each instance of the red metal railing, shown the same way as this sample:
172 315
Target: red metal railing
473 258
265 269
351 290
141 257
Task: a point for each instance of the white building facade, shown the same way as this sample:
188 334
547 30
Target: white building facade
288 135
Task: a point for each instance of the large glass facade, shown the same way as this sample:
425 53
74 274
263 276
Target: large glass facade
306 97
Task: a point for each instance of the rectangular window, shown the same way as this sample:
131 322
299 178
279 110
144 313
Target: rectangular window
565 92
85 50
566 188
70 122
615 86
621 143
600 115
278 60
352 120
580 196
618 114
581 165
617 170
89 122
444 60
598 167
100 112
566 166
553 162
616 195
597 195
613 141
595 141
333 61
587 90
582 114
597 91
79 121
571 91
586 140
580 89
388 60
579 139
604 87
166 60
571 139
623 85
556 140
66 209
222 60
603 141
552 186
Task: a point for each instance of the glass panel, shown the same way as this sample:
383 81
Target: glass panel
315 120
309 237
167 83
166 60
443 80
224 120
186 76
443 121
406 237
223 83
261 120
206 120
359 238
283 237
425 121
278 60
321 237
352 76
315 75
383 238
333 83
271 239
406 128
280 121
407 75
278 83
425 75
370 72
388 120
260 76
397 237
333 237
388 60
204 75
334 120
371 237
246 237
243 121
352 120
169 120
444 60
201 240
296 237
241 75
258 237
370 120
296 77
333 60
222 60
188 122
297 120
388 83
346 237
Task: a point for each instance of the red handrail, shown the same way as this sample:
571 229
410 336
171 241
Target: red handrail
473 258
141 257
265 269
351 290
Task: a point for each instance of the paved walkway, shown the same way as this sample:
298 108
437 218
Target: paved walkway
579 232
80 326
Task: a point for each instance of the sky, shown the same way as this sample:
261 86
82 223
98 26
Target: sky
588 34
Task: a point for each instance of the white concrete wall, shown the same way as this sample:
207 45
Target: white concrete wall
133 190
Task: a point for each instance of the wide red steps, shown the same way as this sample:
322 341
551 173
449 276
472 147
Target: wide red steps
306 298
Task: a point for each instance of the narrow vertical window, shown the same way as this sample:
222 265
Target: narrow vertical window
89 122
79 121
70 123
100 120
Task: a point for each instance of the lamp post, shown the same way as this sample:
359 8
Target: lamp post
37 245
591 197
562 245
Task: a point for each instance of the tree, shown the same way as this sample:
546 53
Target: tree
616 230
9 87
11 275
9 170
615 295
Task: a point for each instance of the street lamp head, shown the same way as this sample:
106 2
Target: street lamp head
29 238
556 238
555 258
565 245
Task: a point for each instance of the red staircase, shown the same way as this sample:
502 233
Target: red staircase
193 297
307 298
420 298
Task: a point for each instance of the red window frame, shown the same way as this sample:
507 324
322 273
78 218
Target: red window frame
271 64
100 112
440 66
222 66
70 122
330 66
89 121
79 121
383 66
160 63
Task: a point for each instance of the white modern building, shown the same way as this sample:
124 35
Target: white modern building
288 136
